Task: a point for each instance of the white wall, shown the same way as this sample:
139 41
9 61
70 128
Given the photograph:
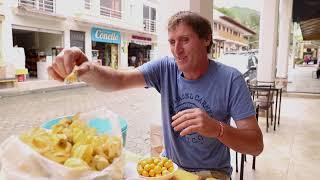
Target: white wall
134 16
69 8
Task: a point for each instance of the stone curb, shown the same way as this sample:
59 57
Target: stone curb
305 95
18 92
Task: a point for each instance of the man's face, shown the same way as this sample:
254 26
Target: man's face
187 48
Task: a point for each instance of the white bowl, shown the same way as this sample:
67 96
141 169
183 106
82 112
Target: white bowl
166 177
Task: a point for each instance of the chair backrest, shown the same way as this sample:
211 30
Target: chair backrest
262 93
266 83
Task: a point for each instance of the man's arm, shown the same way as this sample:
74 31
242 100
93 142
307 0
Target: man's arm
108 79
246 138
100 77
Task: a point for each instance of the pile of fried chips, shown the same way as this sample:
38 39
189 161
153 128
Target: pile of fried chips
74 144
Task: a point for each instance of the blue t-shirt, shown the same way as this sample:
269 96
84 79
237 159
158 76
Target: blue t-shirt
221 92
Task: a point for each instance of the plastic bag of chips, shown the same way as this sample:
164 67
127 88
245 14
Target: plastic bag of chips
71 149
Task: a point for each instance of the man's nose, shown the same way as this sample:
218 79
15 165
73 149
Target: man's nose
178 47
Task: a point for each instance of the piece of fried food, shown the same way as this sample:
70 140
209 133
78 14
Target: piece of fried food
72 77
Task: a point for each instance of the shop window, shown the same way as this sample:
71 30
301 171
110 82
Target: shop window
77 39
111 8
138 54
36 45
149 18
107 53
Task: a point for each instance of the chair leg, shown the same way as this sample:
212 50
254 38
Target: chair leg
242 166
254 163
279 106
257 113
275 120
267 120
236 161
245 158
271 112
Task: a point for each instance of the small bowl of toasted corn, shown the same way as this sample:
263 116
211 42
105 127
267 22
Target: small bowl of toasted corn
156 168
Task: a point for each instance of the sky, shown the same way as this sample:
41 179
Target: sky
252 4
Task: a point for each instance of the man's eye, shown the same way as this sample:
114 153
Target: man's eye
171 42
185 39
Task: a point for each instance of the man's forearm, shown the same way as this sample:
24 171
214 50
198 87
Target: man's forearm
247 141
107 79
102 78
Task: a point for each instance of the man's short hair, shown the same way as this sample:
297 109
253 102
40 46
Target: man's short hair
200 25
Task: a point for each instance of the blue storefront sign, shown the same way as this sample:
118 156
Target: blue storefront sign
105 35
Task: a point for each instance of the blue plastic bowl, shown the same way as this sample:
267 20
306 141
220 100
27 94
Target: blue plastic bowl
102 125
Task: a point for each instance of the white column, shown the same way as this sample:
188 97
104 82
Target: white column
66 38
1 42
285 21
88 43
7 39
268 40
124 51
203 7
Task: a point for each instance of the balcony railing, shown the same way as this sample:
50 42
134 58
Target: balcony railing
149 25
41 5
108 12
227 35
87 4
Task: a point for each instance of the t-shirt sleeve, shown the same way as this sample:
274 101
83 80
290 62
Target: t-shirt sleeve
152 73
240 104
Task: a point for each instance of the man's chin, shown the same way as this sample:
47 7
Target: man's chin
181 67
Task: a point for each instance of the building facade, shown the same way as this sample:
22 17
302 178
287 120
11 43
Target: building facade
229 35
115 33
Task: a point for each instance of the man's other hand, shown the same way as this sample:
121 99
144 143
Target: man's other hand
195 121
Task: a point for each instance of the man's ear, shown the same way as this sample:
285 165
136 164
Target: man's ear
208 40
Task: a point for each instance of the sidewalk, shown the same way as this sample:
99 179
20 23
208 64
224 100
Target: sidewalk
302 80
38 86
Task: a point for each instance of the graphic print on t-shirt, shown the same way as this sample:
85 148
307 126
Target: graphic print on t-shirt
190 101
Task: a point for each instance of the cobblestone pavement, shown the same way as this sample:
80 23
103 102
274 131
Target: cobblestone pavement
138 106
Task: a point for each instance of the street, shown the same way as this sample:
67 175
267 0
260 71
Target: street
138 106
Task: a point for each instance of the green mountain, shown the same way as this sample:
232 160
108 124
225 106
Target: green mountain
248 17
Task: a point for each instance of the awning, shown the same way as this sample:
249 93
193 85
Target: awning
143 43
307 14
36 29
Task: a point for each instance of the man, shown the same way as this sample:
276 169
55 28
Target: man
198 96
